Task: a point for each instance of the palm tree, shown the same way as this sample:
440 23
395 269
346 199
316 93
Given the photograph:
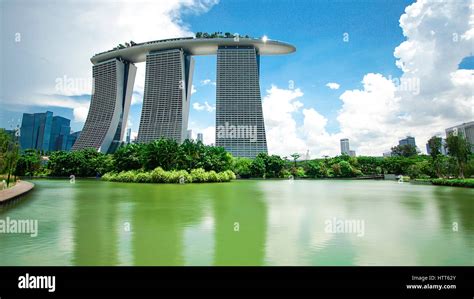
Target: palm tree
295 157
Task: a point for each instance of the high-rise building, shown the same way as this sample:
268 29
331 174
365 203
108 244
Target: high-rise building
44 132
167 95
35 132
168 88
128 136
466 130
409 140
307 157
352 153
345 150
60 130
240 128
71 139
105 124
200 137
189 135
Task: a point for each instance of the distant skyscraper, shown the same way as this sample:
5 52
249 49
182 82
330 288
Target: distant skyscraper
45 132
129 134
409 140
60 130
200 137
189 135
35 132
307 156
345 146
240 128
352 153
387 154
466 130
71 139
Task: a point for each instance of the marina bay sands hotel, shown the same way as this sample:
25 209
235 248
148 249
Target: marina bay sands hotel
168 81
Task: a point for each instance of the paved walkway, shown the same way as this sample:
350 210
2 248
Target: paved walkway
20 188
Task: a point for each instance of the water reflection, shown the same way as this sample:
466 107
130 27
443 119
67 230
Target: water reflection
456 214
279 223
240 217
158 223
95 230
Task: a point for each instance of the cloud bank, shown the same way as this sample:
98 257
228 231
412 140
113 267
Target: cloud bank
431 95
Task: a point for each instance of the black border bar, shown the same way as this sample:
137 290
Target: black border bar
241 282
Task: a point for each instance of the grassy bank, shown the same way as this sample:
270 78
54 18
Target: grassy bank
468 183
158 175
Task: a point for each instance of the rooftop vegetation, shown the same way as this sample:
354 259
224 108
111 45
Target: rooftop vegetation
219 35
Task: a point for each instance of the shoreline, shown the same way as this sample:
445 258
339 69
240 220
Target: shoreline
413 182
20 188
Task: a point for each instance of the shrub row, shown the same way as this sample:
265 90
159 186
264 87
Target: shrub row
158 175
469 183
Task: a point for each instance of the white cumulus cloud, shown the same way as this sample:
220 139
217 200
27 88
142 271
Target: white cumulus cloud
207 82
284 135
333 85
206 106
86 28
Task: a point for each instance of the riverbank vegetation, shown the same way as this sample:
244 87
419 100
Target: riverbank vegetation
158 175
136 162
454 182
9 155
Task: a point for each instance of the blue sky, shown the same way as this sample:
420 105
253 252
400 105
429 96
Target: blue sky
358 46
316 28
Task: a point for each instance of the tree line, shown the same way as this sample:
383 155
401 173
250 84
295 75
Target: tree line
190 155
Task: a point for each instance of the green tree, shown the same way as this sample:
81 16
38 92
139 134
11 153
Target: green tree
127 157
273 166
336 169
299 172
103 164
160 153
317 169
29 163
469 171
257 168
370 165
241 167
12 157
9 154
295 157
5 140
191 155
83 163
217 158
459 148
406 150
420 169
313 169
435 144
345 169
397 164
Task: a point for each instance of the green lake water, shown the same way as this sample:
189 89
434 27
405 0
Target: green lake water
254 222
